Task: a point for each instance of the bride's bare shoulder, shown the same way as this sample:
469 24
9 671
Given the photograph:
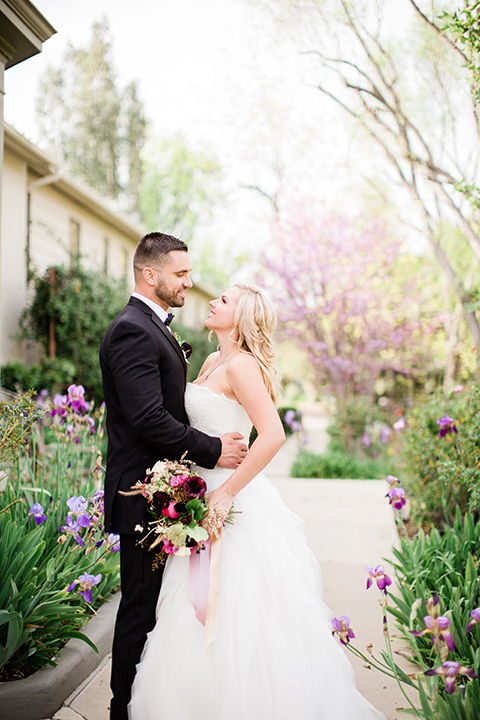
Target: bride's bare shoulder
243 364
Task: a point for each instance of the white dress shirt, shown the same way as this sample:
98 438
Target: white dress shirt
162 314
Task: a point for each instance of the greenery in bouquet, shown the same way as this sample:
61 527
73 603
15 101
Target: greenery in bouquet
176 501
441 456
56 562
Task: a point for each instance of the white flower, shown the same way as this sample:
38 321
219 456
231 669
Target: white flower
183 552
158 469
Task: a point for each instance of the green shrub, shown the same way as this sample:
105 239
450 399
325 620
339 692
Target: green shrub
337 464
52 374
445 565
442 474
82 303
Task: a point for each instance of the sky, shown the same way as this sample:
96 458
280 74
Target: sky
215 71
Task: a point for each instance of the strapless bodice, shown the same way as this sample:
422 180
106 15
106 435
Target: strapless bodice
215 414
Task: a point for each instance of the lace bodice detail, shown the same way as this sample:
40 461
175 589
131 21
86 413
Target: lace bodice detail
215 414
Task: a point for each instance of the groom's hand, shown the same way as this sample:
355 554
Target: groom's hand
233 452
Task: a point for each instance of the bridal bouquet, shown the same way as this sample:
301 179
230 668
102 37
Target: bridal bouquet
176 500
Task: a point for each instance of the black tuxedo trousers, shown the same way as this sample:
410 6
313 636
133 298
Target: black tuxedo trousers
144 377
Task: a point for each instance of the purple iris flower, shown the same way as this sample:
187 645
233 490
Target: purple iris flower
36 511
450 670
77 504
475 614
447 425
86 583
396 497
113 541
379 575
384 435
59 406
42 399
79 507
437 626
76 398
342 628
91 422
72 527
366 439
289 417
392 480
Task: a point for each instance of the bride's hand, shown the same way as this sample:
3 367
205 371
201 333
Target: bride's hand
219 505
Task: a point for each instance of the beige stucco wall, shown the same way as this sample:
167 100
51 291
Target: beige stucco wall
13 265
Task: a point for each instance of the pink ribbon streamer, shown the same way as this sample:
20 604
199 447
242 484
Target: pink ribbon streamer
200 581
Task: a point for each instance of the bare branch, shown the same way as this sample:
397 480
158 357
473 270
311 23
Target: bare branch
439 33
273 199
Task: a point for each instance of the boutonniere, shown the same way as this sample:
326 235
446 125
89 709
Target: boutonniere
186 348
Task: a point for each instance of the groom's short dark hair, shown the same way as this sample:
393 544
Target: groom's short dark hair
153 248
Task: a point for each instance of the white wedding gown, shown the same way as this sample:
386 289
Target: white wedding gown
274 657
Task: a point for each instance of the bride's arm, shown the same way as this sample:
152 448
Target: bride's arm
245 379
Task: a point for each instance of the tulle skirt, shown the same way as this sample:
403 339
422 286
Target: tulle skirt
273 657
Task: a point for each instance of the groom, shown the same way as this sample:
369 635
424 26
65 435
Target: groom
144 376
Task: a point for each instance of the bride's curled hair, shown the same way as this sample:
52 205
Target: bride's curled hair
256 320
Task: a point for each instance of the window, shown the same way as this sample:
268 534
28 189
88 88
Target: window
74 238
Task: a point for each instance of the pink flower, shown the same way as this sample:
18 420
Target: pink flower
169 548
400 424
177 480
170 511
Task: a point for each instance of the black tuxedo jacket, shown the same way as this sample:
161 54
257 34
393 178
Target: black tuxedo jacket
144 377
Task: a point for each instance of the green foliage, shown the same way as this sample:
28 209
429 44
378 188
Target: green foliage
337 464
442 474
16 421
351 420
48 373
37 614
445 565
82 305
97 127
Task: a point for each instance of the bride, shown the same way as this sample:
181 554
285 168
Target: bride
273 656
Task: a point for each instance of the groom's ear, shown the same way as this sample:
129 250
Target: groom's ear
149 276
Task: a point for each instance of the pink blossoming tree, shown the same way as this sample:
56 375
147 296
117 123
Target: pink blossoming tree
331 279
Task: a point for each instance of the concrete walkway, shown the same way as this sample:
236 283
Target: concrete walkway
348 524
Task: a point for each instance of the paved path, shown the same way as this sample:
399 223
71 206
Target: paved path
348 524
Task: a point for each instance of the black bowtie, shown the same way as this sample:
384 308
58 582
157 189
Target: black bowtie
168 319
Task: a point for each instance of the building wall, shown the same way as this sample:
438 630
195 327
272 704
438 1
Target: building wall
13 262
101 246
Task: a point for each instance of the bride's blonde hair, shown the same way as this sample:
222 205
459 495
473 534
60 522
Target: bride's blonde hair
256 320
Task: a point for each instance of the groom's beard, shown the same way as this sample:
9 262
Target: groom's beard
170 297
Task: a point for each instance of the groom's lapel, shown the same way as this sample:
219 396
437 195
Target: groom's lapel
170 337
